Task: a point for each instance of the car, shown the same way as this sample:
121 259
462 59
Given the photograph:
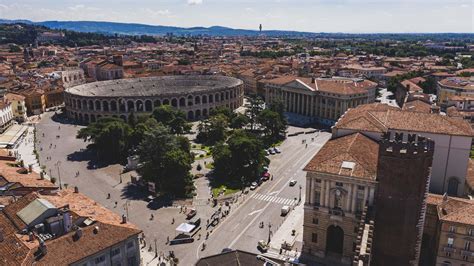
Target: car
259 181
191 213
265 176
262 246
271 151
267 152
225 250
277 150
292 182
265 168
253 186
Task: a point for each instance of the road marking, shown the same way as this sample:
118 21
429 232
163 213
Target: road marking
274 199
254 212
271 193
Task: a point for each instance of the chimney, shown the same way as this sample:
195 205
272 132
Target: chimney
78 234
434 109
96 230
42 247
31 237
30 168
76 189
313 80
124 219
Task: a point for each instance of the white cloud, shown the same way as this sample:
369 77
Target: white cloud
194 2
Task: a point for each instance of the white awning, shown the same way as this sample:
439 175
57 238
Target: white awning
11 136
185 228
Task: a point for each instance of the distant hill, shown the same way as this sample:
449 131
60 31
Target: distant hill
143 29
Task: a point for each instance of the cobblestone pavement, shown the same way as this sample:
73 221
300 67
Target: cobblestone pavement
96 181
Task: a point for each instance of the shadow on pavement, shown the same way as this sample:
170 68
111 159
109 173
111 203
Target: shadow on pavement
137 192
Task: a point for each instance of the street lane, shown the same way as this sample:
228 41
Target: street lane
241 229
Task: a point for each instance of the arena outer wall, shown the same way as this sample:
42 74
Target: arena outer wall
196 96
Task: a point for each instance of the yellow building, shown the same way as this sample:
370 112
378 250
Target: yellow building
18 106
455 86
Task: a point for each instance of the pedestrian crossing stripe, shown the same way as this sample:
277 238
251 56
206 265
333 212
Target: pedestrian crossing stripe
278 200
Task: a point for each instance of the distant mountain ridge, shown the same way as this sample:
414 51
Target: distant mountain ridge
144 29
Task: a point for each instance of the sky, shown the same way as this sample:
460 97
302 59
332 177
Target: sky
351 16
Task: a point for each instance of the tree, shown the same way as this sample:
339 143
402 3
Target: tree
213 129
254 107
239 121
241 159
172 118
166 160
273 126
110 137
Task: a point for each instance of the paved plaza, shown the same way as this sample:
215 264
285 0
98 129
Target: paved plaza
63 156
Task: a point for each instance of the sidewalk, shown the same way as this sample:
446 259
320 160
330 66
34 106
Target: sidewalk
294 220
25 150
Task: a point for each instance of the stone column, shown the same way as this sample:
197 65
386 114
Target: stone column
308 190
322 195
349 198
354 197
328 187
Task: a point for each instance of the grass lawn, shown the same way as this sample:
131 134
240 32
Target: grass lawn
207 149
217 190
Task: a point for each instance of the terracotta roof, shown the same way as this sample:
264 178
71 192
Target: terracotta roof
353 155
14 97
417 106
330 85
363 118
30 180
232 258
457 210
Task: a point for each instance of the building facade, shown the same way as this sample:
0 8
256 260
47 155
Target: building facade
340 183
454 86
194 95
319 100
18 106
6 116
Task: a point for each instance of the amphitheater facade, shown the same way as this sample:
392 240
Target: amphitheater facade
194 95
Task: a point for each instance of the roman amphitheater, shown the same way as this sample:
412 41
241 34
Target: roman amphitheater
194 95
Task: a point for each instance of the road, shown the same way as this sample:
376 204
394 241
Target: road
241 229
238 231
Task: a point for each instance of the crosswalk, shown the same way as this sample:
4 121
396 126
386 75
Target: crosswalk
278 200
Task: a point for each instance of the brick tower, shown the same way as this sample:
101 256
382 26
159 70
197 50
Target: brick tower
403 179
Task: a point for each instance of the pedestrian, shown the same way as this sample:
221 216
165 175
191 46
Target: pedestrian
172 221
152 216
115 205
108 195
305 147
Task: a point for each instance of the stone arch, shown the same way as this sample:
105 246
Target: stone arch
204 113
166 102
130 105
174 102
140 106
76 117
191 115
93 118
211 98
453 184
182 102
74 103
227 95
97 105
222 96
190 100
122 104
204 99
84 105
148 106
99 117
90 105
123 117
156 103
113 105
217 97
105 106
80 118
197 100
86 118
198 114
334 239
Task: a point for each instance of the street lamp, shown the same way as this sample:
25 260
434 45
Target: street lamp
299 200
269 231
57 164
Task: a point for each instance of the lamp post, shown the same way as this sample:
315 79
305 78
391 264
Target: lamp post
299 200
57 164
269 232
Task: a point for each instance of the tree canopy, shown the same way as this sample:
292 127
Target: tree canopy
173 118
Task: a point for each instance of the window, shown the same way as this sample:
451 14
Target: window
318 180
339 184
100 259
315 220
450 242
317 196
314 238
467 245
115 252
360 187
130 245
452 229
470 232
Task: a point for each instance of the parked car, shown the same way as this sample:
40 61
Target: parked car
265 176
265 168
191 213
271 151
277 150
262 246
253 186
267 152
285 210
292 182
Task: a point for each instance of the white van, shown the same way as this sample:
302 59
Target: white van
285 210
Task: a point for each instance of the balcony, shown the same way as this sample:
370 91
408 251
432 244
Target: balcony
467 253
